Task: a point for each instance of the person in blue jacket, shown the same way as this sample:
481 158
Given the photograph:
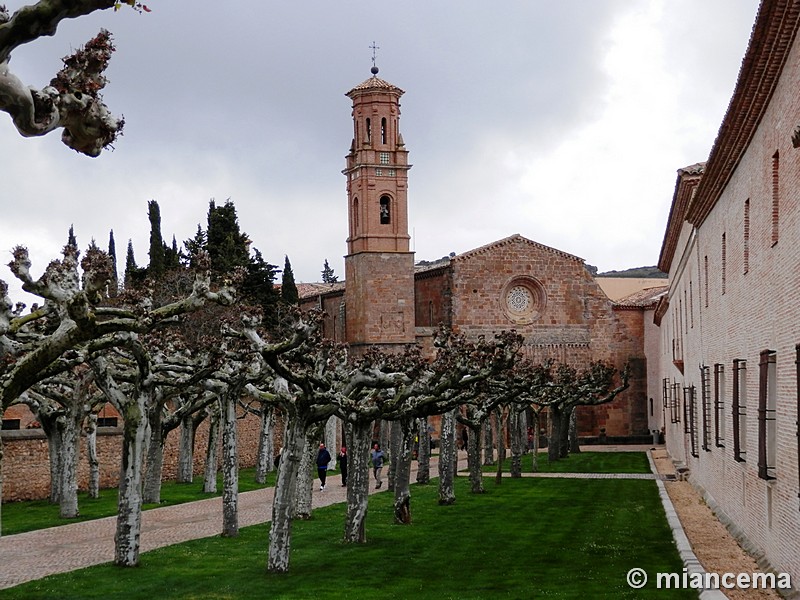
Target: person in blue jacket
323 458
377 465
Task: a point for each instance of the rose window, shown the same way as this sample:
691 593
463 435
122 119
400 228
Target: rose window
519 299
523 300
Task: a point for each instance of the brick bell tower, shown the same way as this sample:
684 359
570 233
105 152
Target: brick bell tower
379 268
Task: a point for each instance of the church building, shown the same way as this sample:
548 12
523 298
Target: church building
545 294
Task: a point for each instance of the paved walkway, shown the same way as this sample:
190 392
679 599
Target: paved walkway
36 554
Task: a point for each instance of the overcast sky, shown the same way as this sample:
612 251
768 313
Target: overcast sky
562 121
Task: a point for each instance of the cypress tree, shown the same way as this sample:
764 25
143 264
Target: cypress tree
156 267
113 285
289 292
71 240
327 274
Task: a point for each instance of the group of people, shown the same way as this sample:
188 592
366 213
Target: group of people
324 459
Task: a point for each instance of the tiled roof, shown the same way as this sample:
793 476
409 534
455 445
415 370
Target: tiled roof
309 290
646 298
774 32
375 83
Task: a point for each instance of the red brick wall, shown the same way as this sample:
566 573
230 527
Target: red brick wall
26 466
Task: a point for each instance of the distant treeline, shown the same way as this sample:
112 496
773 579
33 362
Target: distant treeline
643 272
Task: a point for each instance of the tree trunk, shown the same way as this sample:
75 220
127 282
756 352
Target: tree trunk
535 458
554 438
515 432
230 468
331 440
266 446
210 473
574 446
358 467
91 455
305 476
53 432
70 445
424 452
488 442
563 442
402 483
447 452
395 442
501 446
474 460
154 466
186 450
129 513
280 533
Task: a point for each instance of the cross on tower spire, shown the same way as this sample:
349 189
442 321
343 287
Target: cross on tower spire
375 48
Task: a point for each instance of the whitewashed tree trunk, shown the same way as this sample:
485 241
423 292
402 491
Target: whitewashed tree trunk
280 533
305 477
154 465
210 474
515 432
402 469
358 466
129 513
474 443
91 455
70 447
447 455
332 440
395 442
488 442
266 445
230 468
424 452
185 472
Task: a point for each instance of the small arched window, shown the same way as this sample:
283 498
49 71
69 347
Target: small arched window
385 216
355 215
369 131
383 130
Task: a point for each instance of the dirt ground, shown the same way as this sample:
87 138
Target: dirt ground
714 547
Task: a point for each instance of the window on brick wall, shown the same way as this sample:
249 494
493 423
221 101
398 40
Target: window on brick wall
384 210
383 130
797 412
746 236
724 260
705 407
691 416
719 405
369 130
676 395
705 279
739 410
775 196
767 403
691 305
106 421
10 424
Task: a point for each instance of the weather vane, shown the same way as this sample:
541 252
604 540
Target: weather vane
375 48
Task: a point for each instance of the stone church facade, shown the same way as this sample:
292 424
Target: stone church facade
729 353
515 283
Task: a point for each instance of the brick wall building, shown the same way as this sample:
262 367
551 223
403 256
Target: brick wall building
545 294
729 324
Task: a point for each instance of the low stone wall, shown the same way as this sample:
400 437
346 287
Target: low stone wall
26 462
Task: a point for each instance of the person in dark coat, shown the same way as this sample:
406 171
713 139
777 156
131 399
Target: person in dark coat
342 458
323 458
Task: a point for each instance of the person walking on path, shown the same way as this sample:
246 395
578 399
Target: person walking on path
342 458
323 458
377 465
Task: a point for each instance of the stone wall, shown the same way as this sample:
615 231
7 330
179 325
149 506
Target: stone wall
26 464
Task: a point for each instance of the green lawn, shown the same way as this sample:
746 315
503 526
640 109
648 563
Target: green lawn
19 517
584 462
554 538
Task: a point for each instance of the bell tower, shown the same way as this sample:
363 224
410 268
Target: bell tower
379 268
